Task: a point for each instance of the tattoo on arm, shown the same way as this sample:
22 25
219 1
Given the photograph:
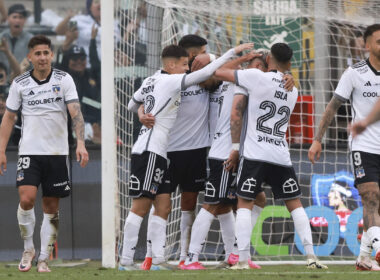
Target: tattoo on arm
78 122
237 119
327 117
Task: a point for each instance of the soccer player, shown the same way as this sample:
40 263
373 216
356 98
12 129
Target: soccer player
188 141
265 148
160 95
361 85
44 96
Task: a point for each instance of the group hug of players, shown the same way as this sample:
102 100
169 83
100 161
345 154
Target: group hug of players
239 106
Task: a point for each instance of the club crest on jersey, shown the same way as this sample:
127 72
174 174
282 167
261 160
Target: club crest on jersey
20 175
56 89
359 172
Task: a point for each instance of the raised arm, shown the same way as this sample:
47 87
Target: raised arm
206 72
238 108
6 127
328 115
78 127
359 126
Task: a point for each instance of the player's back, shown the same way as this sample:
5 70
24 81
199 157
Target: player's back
160 95
269 110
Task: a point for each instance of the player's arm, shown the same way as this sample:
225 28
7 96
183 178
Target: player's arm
146 119
359 126
78 127
9 119
328 115
238 108
206 72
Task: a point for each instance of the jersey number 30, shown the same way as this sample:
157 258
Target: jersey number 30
272 112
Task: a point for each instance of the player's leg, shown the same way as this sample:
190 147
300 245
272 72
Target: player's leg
188 204
26 221
147 263
28 178
370 195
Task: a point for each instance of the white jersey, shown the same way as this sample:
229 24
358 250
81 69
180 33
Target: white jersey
222 144
160 94
360 84
190 130
269 110
214 111
43 112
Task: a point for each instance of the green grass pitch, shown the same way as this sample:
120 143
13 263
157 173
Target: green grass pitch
93 270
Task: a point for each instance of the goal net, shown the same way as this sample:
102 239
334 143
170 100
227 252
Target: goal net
326 37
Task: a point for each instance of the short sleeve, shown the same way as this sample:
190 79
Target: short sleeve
345 86
14 99
69 90
175 83
240 90
247 78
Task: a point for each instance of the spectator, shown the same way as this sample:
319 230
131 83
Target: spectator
88 89
15 68
83 24
17 39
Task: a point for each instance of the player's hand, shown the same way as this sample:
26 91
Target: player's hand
147 119
289 82
94 31
251 55
4 46
232 162
200 61
315 151
243 47
357 128
3 163
82 154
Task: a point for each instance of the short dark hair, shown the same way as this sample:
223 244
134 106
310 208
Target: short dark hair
191 41
174 51
281 52
370 30
39 40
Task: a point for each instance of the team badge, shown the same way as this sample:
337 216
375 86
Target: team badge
359 172
20 175
56 89
153 189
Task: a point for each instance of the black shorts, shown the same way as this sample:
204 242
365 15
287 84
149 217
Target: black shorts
52 172
252 174
187 169
366 167
221 184
147 174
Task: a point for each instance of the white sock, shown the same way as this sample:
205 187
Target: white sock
158 239
374 236
227 228
256 211
199 233
49 232
243 233
365 245
302 226
26 221
187 219
150 233
131 235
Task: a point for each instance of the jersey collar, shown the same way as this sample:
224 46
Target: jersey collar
377 73
164 72
41 82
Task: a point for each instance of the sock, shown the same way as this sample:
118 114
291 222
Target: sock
158 239
187 219
49 232
365 245
256 211
374 235
243 233
131 235
150 233
302 226
227 228
26 221
199 233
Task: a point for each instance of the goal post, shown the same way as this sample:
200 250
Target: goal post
326 37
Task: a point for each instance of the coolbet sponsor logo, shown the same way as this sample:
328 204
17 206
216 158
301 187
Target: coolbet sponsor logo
370 94
192 92
44 101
